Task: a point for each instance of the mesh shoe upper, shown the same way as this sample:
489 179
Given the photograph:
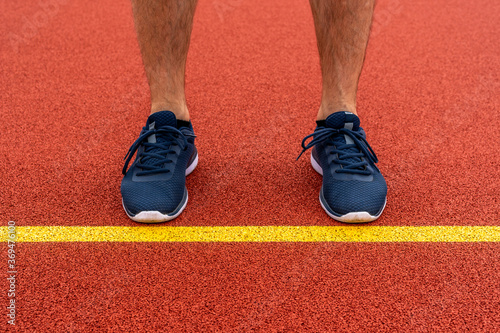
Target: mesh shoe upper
156 179
351 181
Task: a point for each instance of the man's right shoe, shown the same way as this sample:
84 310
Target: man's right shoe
154 187
354 190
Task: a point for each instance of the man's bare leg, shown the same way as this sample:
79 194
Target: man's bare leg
353 190
164 31
342 30
154 186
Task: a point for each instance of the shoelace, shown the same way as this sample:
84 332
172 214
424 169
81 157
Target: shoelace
348 155
156 152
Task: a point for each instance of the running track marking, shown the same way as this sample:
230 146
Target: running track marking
220 234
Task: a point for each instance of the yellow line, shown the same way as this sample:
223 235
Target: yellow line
254 234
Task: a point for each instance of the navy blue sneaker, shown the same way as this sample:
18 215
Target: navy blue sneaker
154 187
354 190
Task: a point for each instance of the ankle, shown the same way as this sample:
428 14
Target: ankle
179 109
327 109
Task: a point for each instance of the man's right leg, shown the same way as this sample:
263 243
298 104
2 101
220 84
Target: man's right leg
353 188
164 31
154 187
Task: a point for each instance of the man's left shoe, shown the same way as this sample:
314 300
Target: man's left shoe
354 190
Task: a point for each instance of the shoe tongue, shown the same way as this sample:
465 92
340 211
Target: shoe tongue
343 119
155 121
162 118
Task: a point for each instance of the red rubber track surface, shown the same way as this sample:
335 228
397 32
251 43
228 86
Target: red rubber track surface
74 97
262 287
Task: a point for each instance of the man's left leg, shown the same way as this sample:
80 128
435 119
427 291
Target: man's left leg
353 188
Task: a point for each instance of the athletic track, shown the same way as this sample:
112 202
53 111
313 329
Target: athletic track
253 251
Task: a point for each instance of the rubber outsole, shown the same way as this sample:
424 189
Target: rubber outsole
352 217
158 217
